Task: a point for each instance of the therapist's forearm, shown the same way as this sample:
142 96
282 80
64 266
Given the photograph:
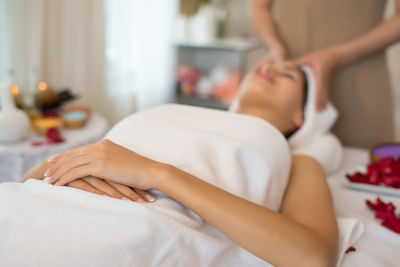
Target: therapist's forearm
263 23
265 233
372 42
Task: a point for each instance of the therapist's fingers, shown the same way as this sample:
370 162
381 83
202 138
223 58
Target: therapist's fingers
82 185
322 98
321 90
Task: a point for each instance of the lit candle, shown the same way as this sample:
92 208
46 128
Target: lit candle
16 95
45 97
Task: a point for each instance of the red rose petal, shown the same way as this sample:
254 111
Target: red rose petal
391 180
54 135
384 172
36 143
357 178
385 212
351 249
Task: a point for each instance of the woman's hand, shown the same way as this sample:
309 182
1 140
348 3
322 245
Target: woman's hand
105 160
324 63
101 187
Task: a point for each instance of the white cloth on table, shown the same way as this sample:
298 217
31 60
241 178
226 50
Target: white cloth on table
378 246
17 159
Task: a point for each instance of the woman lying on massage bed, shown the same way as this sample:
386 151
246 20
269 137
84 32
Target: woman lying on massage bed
300 230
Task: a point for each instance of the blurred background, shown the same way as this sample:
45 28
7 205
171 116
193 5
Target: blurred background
118 57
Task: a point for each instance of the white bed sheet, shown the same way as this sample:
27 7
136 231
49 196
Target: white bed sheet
378 246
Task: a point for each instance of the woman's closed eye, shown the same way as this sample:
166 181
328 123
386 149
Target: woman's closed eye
287 75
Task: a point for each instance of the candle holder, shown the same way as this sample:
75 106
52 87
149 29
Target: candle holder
45 97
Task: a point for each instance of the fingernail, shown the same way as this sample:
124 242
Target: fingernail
125 198
150 197
46 180
46 173
51 158
57 183
141 200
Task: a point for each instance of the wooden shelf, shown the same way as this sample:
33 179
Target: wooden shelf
223 44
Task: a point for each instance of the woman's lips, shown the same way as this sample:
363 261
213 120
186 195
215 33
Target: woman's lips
264 76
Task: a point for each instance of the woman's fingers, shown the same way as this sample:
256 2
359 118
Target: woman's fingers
128 192
66 154
56 172
77 173
103 186
62 158
146 195
82 185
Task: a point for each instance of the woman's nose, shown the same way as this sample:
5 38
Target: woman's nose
267 69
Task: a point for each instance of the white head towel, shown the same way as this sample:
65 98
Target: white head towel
315 123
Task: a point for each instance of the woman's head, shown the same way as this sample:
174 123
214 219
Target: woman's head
275 93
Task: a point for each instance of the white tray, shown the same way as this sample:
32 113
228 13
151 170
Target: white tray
378 189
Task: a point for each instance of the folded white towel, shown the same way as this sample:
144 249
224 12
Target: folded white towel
315 123
314 138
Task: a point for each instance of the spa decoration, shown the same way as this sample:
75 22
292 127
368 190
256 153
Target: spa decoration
16 96
45 97
75 119
14 123
83 108
54 135
221 83
43 125
385 172
385 212
379 152
188 76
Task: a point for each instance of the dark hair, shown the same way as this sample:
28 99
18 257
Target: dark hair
305 94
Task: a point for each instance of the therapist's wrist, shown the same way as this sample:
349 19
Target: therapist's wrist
343 54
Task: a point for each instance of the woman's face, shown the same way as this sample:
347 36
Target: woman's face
274 92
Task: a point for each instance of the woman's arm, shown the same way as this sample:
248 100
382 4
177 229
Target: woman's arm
326 61
263 23
306 228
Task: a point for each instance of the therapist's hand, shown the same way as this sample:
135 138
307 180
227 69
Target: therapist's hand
324 63
105 160
274 55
